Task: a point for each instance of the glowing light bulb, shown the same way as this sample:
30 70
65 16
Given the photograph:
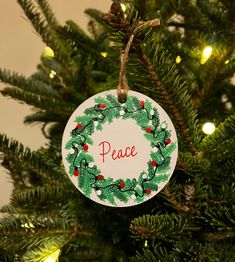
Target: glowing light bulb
178 59
146 243
28 225
226 62
52 74
53 257
206 53
123 7
48 52
104 54
208 128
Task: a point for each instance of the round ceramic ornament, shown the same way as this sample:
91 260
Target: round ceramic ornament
119 154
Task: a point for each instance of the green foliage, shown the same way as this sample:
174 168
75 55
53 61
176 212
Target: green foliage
161 227
95 14
42 28
220 218
42 102
172 89
49 15
224 132
29 85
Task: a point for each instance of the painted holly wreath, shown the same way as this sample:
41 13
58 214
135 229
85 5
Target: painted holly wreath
89 177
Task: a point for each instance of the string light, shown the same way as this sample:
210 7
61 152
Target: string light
123 7
52 74
28 225
208 128
146 243
53 257
48 52
104 54
226 62
206 54
178 59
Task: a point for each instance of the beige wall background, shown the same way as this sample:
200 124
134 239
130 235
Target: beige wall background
20 50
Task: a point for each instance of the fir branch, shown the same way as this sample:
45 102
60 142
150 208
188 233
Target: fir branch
171 199
145 256
52 105
31 225
207 85
223 132
82 43
162 227
24 159
224 151
167 100
194 164
41 232
42 249
62 51
45 117
219 218
95 14
215 12
217 236
47 12
38 194
194 250
168 8
30 84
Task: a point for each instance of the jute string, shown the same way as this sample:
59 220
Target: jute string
123 88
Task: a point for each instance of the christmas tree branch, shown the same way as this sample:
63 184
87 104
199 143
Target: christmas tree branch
224 132
52 105
47 12
27 84
171 106
62 51
207 86
28 233
171 199
217 236
20 158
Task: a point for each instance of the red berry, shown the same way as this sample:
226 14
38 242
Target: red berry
148 130
168 141
76 172
100 177
102 106
148 191
142 103
79 125
154 163
85 147
122 185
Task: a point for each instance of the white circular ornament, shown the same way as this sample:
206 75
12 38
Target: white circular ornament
118 159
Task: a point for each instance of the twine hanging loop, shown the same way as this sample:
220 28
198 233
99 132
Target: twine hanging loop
123 88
